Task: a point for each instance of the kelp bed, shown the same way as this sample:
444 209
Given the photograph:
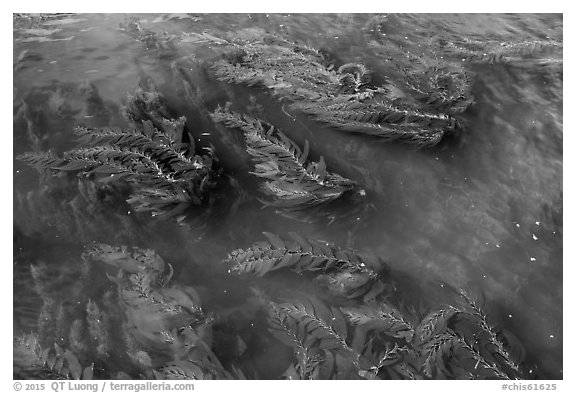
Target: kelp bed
145 185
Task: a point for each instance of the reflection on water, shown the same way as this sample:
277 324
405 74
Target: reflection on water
482 210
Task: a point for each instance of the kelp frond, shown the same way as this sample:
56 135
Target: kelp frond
41 160
448 342
474 310
320 339
162 315
143 287
442 88
434 322
453 340
519 53
297 254
79 210
387 121
292 181
383 318
160 329
201 363
313 330
286 330
156 156
313 85
345 271
321 325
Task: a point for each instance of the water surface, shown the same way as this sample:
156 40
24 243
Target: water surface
481 210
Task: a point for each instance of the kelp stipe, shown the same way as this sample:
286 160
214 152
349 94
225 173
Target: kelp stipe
155 155
292 181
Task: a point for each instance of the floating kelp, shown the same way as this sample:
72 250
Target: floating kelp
520 53
389 122
344 272
446 44
381 342
153 328
423 80
332 312
293 183
156 156
343 98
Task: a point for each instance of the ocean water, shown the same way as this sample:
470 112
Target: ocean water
481 210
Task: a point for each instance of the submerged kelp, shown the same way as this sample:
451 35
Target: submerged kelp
77 210
147 315
500 47
343 97
165 332
157 45
321 309
520 54
379 340
384 344
48 363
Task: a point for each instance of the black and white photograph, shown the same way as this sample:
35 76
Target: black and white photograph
286 196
